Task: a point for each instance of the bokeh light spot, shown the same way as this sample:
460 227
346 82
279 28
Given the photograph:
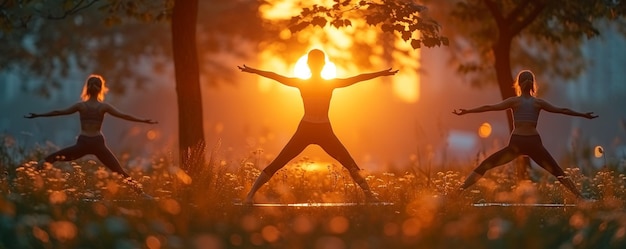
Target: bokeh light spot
598 151
484 131
151 135
153 242
41 235
270 233
338 225
171 206
411 227
63 230
302 225
57 197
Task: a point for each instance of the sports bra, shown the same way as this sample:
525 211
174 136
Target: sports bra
91 114
526 111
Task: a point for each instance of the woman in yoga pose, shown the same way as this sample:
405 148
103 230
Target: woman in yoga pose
525 139
91 141
314 128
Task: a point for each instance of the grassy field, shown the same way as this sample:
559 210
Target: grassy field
82 205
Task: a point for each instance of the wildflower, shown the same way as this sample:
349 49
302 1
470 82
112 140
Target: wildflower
389 174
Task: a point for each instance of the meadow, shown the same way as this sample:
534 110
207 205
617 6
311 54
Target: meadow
80 204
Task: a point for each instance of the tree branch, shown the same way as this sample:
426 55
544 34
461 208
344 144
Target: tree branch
75 9
519 26
495 12
517 10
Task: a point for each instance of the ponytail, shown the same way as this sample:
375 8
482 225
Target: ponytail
525 82
94 86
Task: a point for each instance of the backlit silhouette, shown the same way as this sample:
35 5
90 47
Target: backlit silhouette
525 139
314 128
91 140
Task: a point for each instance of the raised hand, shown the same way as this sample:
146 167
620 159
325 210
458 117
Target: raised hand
245 68
388 72
590 115
459 111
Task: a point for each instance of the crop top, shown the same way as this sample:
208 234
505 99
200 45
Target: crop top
91 114
526 111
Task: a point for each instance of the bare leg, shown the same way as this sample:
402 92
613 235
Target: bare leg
102 152
295 145
262 179
369 195
571 186
470 180
335 149
542 157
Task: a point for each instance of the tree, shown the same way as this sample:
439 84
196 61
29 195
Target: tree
191 135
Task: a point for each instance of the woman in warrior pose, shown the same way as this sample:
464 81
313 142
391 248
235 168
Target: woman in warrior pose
525 139
91 141
314 128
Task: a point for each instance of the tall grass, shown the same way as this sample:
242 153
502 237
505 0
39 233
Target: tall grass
81 204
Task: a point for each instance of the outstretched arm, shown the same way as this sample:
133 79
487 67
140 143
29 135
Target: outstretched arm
550 108
67 111
271 75
116 113
505 104
363 77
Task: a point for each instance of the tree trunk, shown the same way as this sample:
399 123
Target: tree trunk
190 119
502 65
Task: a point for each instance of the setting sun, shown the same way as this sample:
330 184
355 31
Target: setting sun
302 71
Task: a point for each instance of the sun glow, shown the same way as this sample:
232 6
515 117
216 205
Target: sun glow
314 166
302 71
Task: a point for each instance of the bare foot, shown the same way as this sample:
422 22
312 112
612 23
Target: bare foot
248 201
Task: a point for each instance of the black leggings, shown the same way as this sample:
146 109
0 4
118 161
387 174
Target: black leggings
89 145
312 133
522 145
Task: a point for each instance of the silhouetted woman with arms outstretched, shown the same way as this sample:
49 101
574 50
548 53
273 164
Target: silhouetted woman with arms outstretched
525 139
314 128
91 140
